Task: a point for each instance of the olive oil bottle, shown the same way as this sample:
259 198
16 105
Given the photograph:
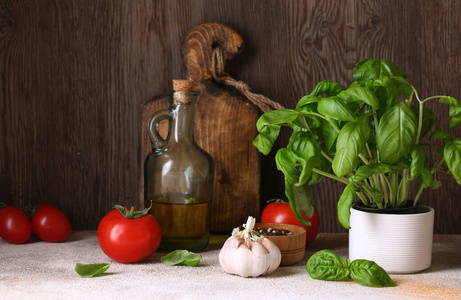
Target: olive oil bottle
179 175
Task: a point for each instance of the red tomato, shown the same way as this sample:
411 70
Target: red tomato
50 224
128 240
15 226
280 212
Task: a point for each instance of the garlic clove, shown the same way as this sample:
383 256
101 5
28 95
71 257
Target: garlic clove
227 253
261 259
274 253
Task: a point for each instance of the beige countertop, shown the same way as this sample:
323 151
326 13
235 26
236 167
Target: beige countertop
40 270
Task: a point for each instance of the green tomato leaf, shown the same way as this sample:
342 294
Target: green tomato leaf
376 68
181 258
91 270
360 94
327 87
369 273
452 156
396 133
365 171
350 143
344 205
326 265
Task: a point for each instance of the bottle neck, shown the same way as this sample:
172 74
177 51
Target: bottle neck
183 114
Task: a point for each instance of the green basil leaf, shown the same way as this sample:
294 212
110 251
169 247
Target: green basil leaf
376 68
285 161
269 125
326 265
369 273
403 86
396 133
455 114
335 108
299 198
365 171
386 93
308 99
426 176
418 161
429 118
306 120
450 101
344 205
306 151
181 258
350 143
441 135
328 134
327 87
360 94
452 156
91 270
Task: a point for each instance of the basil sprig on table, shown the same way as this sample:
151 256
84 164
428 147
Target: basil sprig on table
326 265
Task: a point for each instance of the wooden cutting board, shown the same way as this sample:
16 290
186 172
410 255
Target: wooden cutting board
225 126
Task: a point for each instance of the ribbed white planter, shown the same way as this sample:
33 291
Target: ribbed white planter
399 243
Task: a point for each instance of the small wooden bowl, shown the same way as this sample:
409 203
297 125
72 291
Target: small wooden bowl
292 246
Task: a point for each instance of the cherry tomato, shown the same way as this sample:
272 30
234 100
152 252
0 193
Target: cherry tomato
129 237
280 212
15 226
50 224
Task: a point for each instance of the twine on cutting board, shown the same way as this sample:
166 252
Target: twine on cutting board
217 66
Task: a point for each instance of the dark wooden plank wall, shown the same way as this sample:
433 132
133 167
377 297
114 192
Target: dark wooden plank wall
74 73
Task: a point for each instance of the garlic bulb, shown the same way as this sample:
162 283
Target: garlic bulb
247 254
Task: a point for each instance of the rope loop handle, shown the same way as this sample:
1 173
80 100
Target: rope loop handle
217 66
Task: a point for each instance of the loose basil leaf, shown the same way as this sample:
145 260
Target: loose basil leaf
365 171
91 270
350 143
344 205
360 94
418 161
181 258
326 265
370 273
335 108
376 68
396 133
327 87
452 156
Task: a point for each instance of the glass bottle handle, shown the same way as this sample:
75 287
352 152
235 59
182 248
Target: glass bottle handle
158 142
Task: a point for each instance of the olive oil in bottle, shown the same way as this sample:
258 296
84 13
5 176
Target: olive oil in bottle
179 175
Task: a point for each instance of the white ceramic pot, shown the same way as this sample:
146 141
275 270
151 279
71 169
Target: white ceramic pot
399 243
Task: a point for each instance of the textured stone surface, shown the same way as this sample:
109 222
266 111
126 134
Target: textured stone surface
40 270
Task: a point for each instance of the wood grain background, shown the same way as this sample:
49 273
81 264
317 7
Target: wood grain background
73 75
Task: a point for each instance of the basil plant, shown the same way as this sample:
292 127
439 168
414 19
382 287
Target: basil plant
367 136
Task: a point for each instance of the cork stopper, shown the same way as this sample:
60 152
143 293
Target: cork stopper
183 85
